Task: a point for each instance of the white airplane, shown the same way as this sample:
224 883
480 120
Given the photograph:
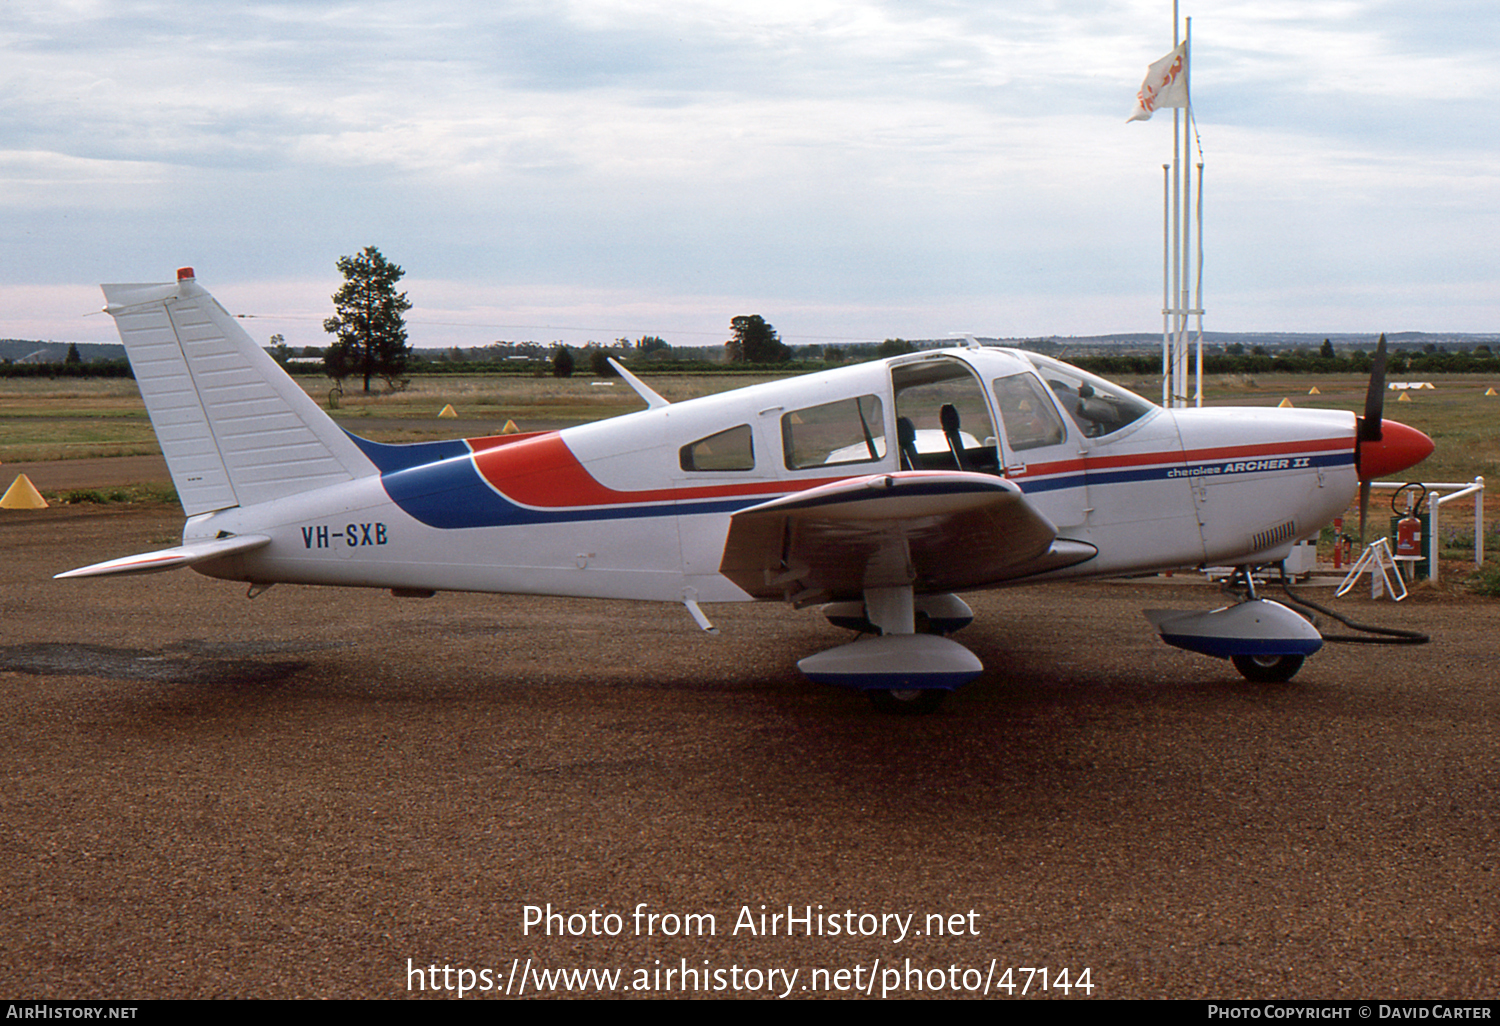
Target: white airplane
876 491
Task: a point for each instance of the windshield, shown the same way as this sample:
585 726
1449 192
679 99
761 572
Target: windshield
1097 406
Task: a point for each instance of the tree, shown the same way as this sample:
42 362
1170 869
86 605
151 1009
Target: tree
336 363
72 356
755 341
562 362
599 364
1326 350
371 333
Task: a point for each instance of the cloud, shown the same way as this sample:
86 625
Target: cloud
892 167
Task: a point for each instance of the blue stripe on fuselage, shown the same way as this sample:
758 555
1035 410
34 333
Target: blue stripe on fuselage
390 458
1201 471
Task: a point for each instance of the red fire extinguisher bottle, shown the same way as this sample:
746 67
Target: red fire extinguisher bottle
1409 536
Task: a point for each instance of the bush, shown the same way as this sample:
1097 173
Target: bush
123 493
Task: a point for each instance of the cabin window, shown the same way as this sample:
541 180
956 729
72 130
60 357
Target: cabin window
733 449
1029 417
847 431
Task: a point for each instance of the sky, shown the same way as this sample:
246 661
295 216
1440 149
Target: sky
851 170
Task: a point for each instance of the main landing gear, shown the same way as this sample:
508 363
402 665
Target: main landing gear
902 671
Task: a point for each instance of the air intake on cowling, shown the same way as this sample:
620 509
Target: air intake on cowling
1274 537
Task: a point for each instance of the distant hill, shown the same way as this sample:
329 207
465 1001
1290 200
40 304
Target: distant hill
1062 345
1271 341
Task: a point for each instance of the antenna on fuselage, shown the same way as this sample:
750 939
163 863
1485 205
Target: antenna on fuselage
654 399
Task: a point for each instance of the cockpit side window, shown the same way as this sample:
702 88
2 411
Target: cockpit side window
846 431
1097 406
1029 417
730 450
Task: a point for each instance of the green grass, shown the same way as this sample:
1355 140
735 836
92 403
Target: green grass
1485 580
41 419
144 493
580 398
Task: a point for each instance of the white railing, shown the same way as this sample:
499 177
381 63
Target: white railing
1439 494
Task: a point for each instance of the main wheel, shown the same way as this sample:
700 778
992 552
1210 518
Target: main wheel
907 701
1265 669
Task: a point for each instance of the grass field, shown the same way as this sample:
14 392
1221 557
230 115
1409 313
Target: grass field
494 400
50 420
1462 421
41 420
47 420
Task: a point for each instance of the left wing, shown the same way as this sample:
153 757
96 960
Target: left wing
170 559
932 531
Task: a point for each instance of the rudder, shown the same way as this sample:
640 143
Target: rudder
235 429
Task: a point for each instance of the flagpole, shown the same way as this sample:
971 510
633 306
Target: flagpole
1198 300
1167 84
1176 230
1166 284
1184 297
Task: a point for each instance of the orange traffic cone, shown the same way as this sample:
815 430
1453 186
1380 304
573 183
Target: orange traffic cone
22 494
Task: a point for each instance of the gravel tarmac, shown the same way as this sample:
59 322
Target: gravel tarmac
322 793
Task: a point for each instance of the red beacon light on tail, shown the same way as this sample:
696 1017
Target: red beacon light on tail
185 274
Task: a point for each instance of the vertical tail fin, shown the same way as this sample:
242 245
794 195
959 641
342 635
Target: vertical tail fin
234 428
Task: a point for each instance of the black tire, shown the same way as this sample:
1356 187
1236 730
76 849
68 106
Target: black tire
1267 669
907 701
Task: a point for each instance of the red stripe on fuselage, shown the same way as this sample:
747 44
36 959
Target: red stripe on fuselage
542 471
538 469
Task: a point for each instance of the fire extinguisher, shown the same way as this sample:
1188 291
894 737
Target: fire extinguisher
1409 528
1340 544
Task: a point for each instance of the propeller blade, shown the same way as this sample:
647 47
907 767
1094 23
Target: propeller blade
1369 425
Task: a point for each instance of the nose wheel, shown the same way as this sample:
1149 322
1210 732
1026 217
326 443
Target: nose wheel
1267 669
907 701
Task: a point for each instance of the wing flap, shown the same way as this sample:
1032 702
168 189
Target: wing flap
170 559
934 531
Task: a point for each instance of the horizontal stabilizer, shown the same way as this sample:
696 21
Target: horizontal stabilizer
170 559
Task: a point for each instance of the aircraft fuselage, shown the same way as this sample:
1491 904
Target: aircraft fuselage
638 506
